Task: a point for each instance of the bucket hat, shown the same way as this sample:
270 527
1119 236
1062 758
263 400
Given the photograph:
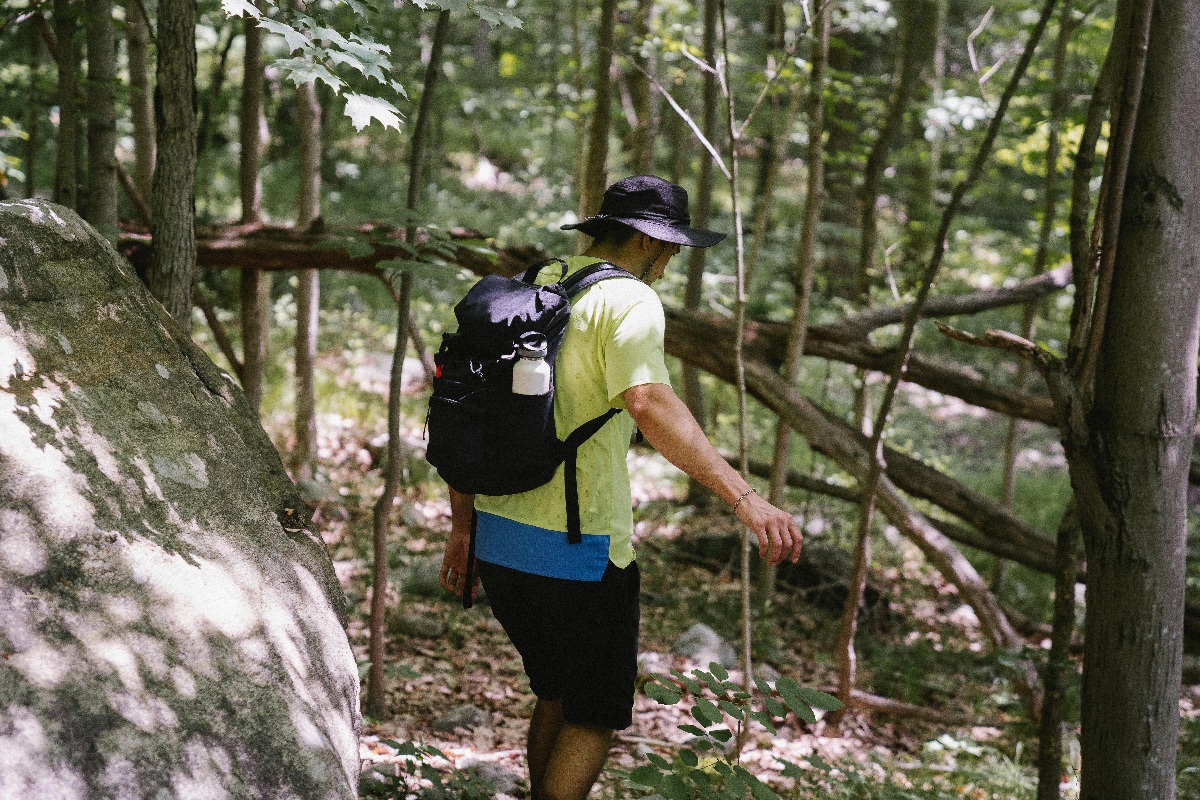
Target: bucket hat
651 205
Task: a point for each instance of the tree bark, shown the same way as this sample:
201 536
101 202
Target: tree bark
1059 666
595 172
805 261
141 94
376 699
251 124
913 41
69 56
308 288
102 118
173 200
256 303
1130 473
33 123
701 210
641 138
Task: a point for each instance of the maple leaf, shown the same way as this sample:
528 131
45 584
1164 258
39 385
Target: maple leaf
362 108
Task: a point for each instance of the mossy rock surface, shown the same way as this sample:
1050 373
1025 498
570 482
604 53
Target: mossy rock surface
170 623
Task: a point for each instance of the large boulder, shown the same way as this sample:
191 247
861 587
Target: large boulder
169 620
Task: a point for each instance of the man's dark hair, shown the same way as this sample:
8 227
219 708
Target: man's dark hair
611 232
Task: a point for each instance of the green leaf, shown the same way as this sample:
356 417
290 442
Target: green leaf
236 8
718 671
294 39
689 757
646 775
721 734
732 709
706 713
763 686
690 684
794 699
667 695
673 788
821 700
763 719
658 761
361 109
304 70
775 707
693 730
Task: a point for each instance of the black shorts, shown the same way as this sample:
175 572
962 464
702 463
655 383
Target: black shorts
577 639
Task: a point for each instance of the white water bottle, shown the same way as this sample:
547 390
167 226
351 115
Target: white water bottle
531 373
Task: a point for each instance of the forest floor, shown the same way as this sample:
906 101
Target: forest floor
919 643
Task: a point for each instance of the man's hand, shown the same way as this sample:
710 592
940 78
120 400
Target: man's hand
454 560
454 566
779 537
672 429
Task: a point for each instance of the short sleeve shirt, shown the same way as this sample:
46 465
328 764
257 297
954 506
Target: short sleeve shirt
614 341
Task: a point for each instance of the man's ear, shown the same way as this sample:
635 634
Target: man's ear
646 241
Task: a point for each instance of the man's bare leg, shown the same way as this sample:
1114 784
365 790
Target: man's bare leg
575 762
543 733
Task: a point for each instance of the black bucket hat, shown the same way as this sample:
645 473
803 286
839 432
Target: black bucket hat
651 205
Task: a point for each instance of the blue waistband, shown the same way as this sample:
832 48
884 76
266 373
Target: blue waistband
539 551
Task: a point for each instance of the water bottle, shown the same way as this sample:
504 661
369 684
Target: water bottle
531 373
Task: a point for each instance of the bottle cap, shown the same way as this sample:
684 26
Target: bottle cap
532 346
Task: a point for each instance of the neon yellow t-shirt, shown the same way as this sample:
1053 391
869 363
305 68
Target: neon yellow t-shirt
614 341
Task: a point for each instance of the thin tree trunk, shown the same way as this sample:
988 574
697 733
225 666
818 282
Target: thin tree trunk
141 95
33 124
1059 100
70 55
375 678
173 200
250 123
805 261
908 71
1131 481
875 472
102 118
595 172
211 106
1059 666
580 83
256 301
693 392
308 289
642 137
376 700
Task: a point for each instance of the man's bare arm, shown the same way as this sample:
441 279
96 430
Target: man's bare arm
454 560
667 423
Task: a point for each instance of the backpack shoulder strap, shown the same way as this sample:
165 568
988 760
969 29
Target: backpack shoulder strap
530 275
574 284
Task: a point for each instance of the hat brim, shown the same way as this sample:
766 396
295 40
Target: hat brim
676 234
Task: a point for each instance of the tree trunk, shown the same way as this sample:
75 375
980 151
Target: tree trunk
102 119
256 303
67 162
693 392
805 261
394 469
33 124
1059 665
595 172
173 201
308 289
908 70
1130 474
251 124
141 96
376 700
641 139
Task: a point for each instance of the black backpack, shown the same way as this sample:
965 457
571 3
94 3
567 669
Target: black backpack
483 438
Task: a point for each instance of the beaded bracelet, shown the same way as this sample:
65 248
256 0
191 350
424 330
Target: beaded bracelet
742 497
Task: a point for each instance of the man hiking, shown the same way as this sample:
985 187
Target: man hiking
572 610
